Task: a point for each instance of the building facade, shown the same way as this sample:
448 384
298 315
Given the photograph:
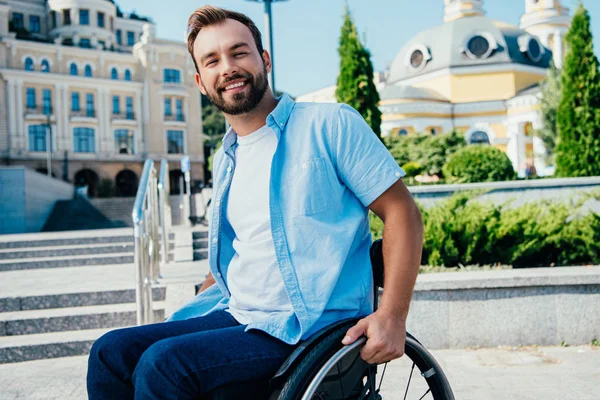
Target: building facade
111 93
475 75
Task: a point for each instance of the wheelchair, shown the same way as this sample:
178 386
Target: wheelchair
321 368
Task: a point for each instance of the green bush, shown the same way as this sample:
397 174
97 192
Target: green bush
463 231
478 163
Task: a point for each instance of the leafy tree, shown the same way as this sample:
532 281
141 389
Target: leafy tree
478 163
578 116
355 85
551 92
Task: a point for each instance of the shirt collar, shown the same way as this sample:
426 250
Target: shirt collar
278 117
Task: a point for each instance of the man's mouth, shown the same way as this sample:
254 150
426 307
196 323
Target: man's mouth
235 86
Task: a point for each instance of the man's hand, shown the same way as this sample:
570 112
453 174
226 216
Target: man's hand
386 335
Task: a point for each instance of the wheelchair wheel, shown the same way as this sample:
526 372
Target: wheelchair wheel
332 371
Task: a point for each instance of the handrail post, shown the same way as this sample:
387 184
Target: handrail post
164 208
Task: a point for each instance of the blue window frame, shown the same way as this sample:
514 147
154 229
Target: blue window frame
37 137
124 141
129 108
127 75
85 43
47 101
89 105
29 66
18 21
34 24
73 70
175 142
75 101
119 35
168 111
179 109
45 66
100 19
88 71
114 74
116 105
30 95
84 17
83 140
130 38
171 76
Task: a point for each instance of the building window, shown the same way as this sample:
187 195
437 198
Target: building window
102 44
17 21
29 64
83 140
129 108
67 42
67 17
75 102
172 76
45 66
85 43
37 137
116 105
179 109
403 132
88 71
119 37
130 38
112 25
73 70
175 142
47 101
89 105
34 24
433 131
53 19
167 107
124 141
100 19
127 75
114 74
479 137
30 95
84 17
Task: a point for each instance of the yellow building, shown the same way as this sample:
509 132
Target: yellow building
475 75
110 92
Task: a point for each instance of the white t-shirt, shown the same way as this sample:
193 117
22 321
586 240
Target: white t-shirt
253 276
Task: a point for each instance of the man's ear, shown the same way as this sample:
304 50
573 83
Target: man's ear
267 60
199 84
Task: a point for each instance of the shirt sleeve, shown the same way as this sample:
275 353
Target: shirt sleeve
363 162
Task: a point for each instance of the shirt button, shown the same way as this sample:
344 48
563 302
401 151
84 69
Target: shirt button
303 165
217 203
398 174
214 240
219 274
281 124
228 169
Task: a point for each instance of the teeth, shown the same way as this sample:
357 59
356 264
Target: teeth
235 85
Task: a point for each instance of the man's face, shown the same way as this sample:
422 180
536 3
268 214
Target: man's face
232 73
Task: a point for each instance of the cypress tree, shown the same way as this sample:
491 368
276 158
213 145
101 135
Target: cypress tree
355 85
578 115
549 105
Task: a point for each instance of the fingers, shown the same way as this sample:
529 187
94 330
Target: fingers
377 352
354 333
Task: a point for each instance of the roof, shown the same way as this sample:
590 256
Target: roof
409 92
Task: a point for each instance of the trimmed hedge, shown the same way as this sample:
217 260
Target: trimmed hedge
478 163
463 231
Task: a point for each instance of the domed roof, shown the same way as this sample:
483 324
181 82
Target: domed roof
409 92
466 42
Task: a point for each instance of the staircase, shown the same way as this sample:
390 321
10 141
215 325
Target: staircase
60 291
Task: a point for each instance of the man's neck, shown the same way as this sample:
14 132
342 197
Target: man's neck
245 124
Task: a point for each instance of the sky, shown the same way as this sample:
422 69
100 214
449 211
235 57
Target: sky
306 32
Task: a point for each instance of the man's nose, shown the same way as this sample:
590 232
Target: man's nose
229 67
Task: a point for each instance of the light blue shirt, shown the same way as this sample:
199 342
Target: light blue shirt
327 168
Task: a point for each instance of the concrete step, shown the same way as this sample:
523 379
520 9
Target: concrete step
73 261
64 252
81 299
72 318
47 345
200 255
72 241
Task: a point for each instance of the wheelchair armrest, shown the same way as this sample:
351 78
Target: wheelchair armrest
376 254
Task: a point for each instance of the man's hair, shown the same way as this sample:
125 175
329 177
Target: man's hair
209 15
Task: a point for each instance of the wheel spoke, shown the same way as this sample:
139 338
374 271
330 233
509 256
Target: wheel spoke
383 373
409 378
428 390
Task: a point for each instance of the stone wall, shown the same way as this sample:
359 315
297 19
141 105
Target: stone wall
27 198
540 306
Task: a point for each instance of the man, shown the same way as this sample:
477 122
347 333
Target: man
289 236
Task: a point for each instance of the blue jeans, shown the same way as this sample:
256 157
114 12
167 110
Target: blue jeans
181 359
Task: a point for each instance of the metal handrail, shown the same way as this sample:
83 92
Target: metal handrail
164 208
145 232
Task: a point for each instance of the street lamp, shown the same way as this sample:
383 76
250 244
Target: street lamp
269 38
48 113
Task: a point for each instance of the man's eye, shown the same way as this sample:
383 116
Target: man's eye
211 62
240 54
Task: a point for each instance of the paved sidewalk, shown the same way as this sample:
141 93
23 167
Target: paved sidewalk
549 373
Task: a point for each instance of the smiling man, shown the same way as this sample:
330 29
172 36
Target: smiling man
289 236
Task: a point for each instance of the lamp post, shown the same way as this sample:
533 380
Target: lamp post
269 38
48 113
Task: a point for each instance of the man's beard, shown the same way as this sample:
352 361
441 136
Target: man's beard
242 103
